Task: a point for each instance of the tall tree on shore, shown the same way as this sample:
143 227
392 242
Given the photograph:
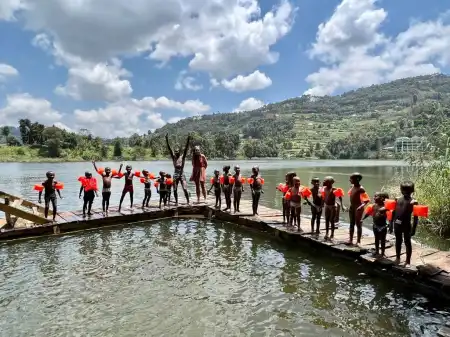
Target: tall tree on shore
5 131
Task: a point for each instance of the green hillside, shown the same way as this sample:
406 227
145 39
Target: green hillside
312 124
359 124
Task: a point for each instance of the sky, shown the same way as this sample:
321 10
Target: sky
119 67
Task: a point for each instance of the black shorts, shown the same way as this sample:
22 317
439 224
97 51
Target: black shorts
50 198
89 195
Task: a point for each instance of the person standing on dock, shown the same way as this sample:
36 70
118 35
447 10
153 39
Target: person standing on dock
106 189
401 222
178 160
50 190
199 165
358 200
128 187
89 186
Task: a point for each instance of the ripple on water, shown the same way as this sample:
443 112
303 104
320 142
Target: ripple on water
194 278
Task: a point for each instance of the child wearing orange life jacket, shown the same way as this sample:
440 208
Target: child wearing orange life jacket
238 188
50 190
284 188
226 186
169 187
256 183
316 205
89 186
358 200
147 188
295 196
379 215
329 195
161 188
128 186
215 183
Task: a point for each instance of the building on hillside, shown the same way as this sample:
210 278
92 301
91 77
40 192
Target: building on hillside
409 145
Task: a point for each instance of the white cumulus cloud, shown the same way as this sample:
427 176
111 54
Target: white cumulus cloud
255 81
187 82
249 104
223 37
356 53
7 71
26 106
123 118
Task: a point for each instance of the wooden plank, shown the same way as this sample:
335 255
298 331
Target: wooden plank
25 203
23 214
70 217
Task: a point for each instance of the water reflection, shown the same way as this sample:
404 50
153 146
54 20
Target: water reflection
196 278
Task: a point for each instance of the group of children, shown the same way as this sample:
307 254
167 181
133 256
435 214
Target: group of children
89 188
393 218
233 185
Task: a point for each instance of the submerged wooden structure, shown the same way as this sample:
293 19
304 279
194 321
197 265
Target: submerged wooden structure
429 273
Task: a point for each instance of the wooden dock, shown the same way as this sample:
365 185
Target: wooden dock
429 273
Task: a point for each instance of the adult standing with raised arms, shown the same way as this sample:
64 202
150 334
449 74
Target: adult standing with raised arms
178 161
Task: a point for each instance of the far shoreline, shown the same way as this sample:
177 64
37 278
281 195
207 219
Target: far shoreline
348 162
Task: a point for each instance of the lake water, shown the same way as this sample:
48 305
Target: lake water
19 178
196 278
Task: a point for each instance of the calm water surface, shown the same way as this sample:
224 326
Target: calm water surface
19 178
195 278
189 278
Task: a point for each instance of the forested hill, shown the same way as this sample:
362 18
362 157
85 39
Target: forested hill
356 124
363 123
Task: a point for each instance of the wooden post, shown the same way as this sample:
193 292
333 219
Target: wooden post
9 222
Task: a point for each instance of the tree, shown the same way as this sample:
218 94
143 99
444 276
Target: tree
12 141
53 141
104 151
6 131
117 148
24 129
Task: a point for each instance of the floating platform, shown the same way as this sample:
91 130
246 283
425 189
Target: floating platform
429 273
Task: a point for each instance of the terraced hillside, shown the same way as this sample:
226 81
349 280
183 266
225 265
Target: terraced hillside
317 122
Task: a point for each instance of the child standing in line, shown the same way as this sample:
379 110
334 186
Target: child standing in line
215 183
294 196
50 191
226 186
329 194
358 200
128 186
379 215
89 186
168 187
238 188
256 188
316 205
401 221
161 188
289 183
147 188
106 189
